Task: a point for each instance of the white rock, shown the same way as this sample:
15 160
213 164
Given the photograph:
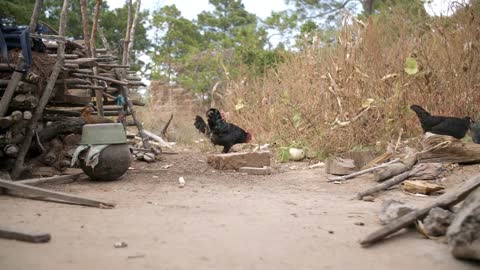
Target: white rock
296 154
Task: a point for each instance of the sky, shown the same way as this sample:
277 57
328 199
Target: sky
262 8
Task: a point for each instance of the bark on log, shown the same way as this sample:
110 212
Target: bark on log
11 119
24 101
446 200
12 85
100 78
450 150
35 14
395 169
73 81
83 12
62 126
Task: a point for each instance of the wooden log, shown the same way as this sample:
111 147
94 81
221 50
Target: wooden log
60 112
71 66
11 150
83 62
27 115
135 83
36 191
37 9
73 81
112 65
32 127
450 150
12 85
395 169
24 236
134 78
64 125
71 99
100 78
385 185
158 139
11 119
79 109
84 70
109 75
24 101
67 56
43 180
446 200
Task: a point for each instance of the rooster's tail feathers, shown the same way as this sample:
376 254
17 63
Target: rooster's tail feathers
419 111
200 124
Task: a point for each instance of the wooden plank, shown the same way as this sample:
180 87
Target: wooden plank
42 180
446 200
35 191
24 236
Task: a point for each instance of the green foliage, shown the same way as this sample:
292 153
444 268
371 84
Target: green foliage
16 11
411 67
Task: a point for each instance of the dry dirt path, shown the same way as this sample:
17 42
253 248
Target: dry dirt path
290 220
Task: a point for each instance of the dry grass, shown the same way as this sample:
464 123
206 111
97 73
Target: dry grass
320 98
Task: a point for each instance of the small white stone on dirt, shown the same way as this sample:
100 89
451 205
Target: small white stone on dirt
181 182
120 244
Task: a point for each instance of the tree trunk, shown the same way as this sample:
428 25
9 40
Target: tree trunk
126 42
35 14
83 10
134 26
98 93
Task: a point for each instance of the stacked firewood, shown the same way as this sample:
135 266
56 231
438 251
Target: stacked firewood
80 80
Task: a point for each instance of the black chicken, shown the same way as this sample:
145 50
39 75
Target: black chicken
220 131
475 131
442 125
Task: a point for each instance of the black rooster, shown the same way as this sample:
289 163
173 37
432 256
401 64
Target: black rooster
475 131
220 131
442 125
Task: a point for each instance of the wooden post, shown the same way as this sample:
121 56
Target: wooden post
124 91
12 85
98 93
36 13
104 40
127 34
134 26
83 10
41 192
32 126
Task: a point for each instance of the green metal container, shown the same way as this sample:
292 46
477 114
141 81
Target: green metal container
108 133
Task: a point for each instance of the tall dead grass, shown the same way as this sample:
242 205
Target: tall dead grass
357 93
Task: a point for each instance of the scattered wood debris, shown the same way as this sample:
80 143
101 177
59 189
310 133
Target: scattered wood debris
421 187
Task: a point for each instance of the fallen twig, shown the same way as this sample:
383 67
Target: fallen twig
346 177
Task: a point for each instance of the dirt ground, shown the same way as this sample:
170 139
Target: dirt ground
292 219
